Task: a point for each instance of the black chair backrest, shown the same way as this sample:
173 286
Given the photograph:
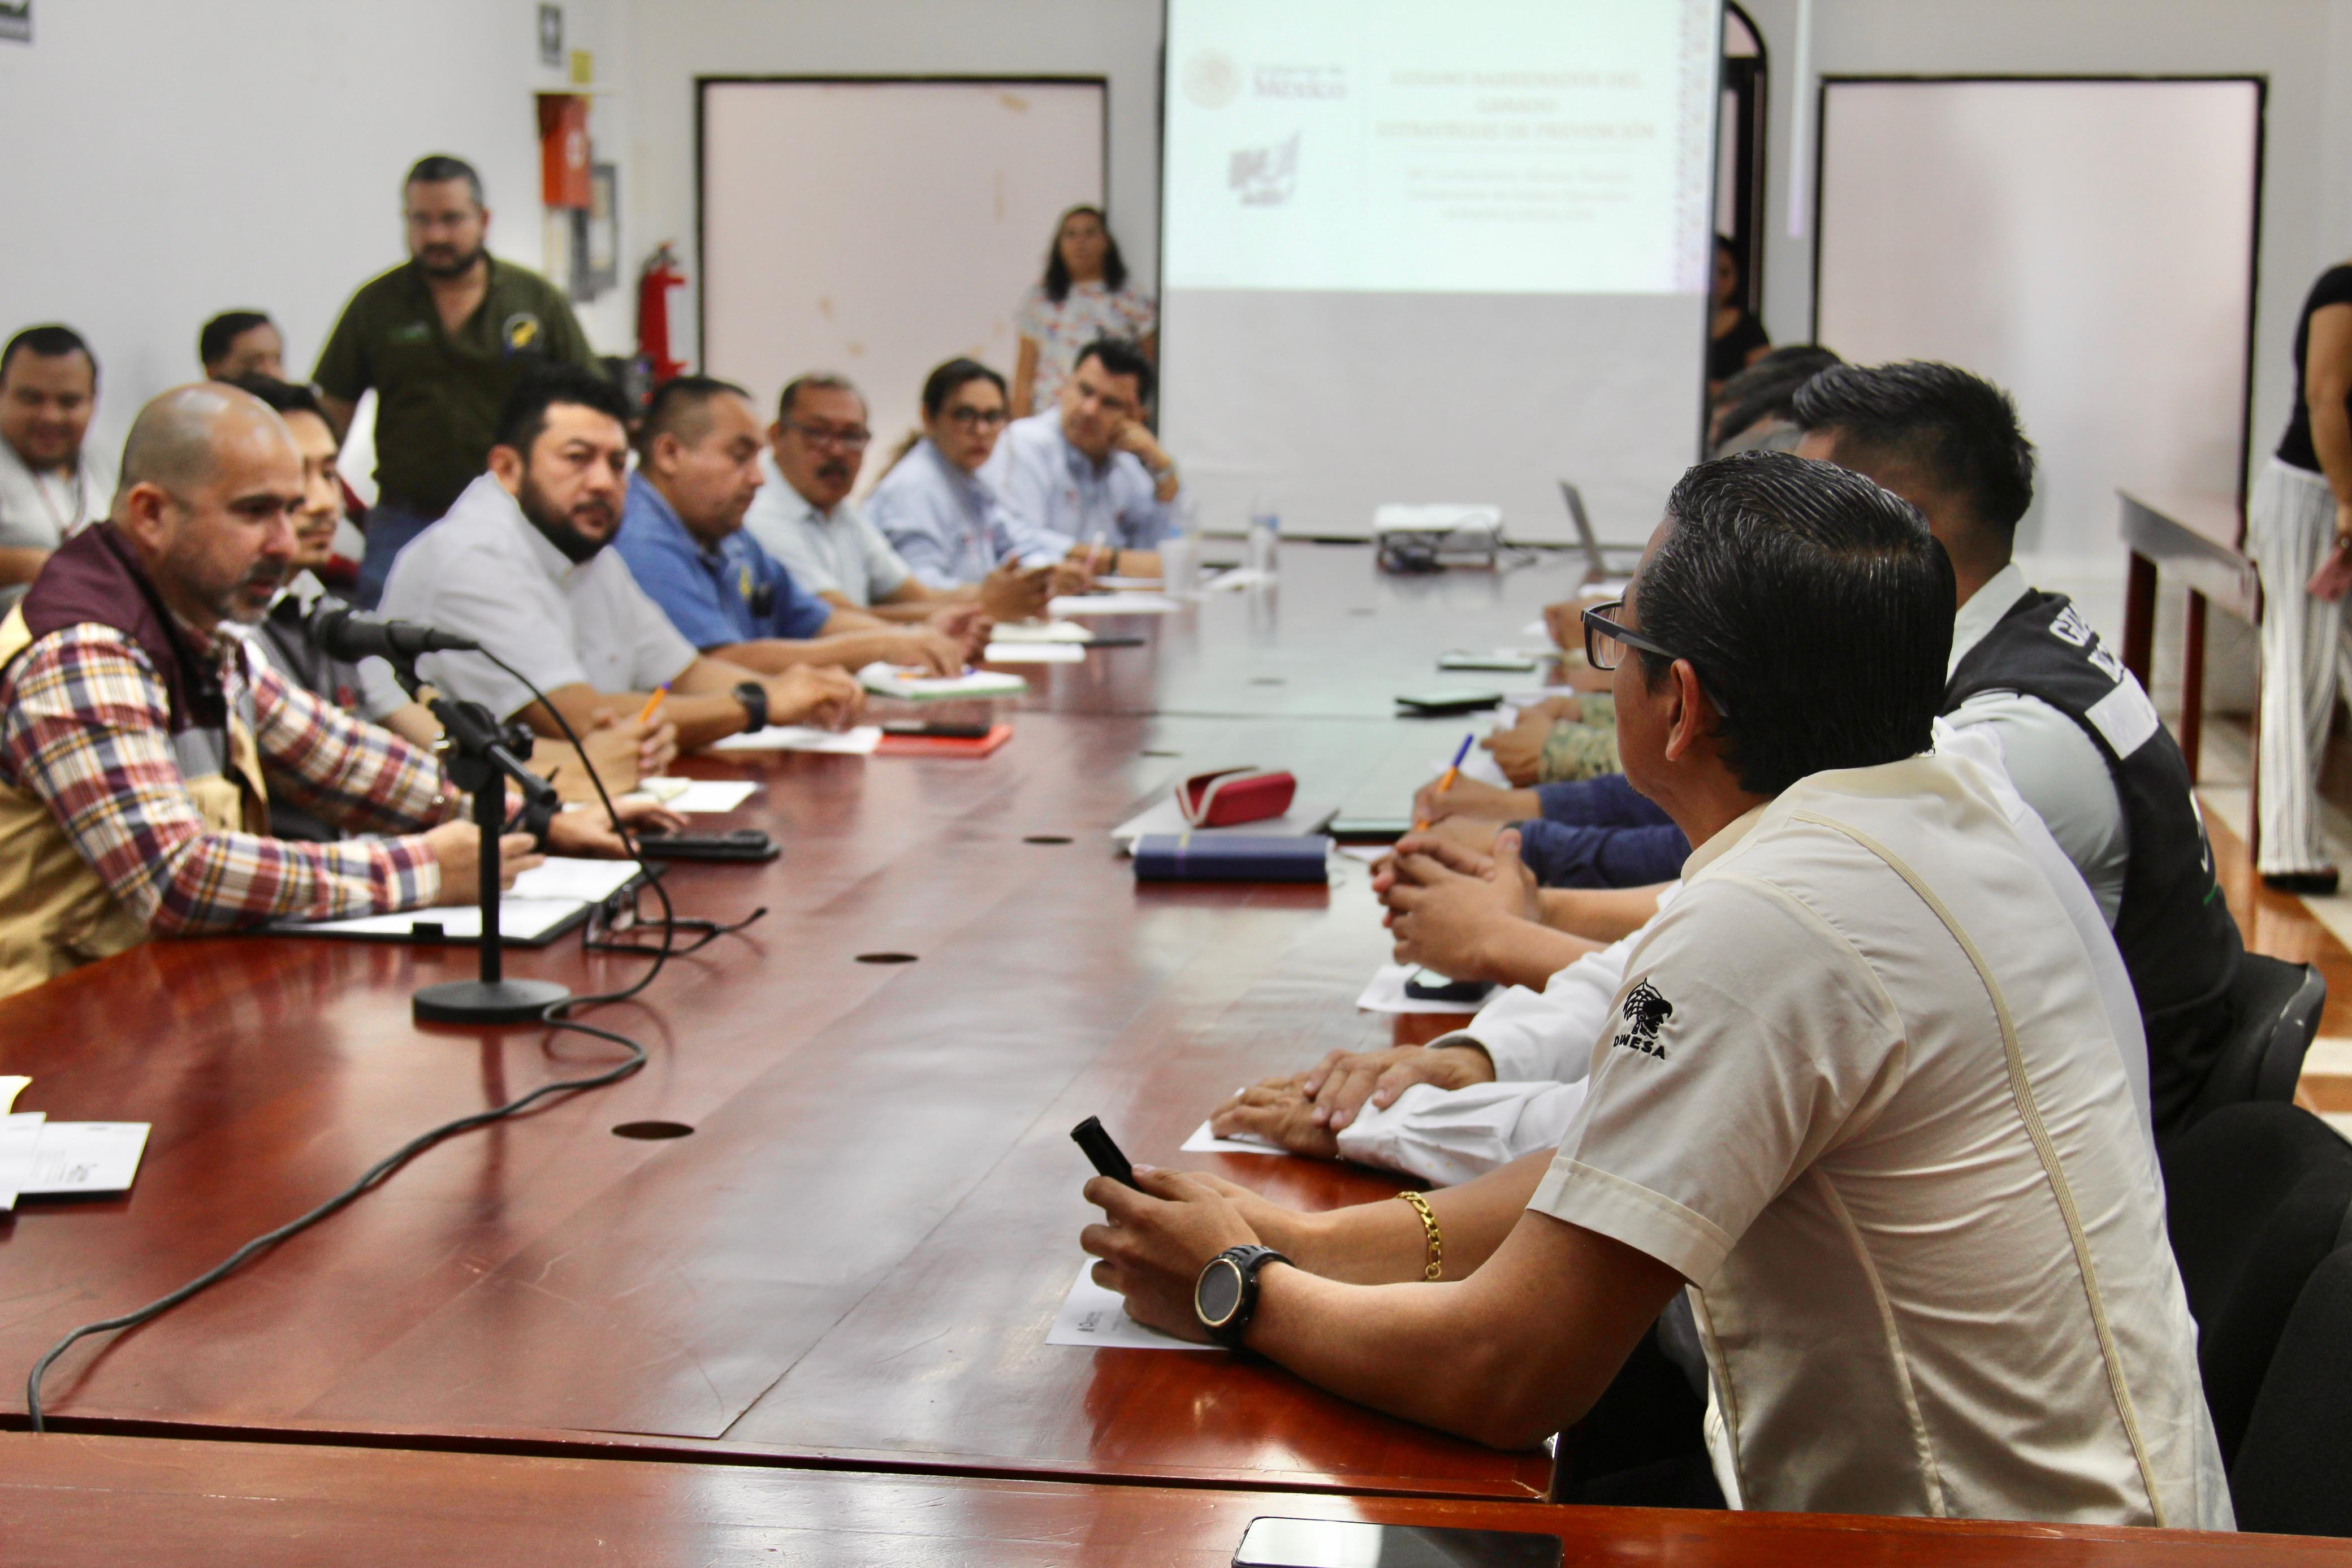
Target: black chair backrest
2274 1014
2292 1470
2255 1195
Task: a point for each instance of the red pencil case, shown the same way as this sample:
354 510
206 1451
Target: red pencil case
1232 795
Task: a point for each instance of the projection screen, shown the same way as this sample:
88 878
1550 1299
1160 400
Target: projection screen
1423 253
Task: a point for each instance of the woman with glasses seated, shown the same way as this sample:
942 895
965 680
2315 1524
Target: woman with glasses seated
946 521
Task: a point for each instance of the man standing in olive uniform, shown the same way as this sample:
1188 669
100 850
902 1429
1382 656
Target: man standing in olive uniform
442 338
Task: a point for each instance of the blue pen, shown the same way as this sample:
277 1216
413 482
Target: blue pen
1452 771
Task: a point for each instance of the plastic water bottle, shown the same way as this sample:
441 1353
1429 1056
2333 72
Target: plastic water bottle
1264 534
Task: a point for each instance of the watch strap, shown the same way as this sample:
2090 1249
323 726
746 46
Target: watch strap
754 698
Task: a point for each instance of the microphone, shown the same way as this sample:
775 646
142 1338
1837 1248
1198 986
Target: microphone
343 632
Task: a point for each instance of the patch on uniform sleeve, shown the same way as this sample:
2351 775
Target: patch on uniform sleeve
2124 716
1645 1011
521 333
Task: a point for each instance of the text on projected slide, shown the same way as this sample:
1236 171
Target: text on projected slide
1479 146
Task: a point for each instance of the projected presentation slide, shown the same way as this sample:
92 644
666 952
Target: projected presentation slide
1408 146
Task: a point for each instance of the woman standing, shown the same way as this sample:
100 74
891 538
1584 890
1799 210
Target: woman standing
1735 339
2299 523
1085 296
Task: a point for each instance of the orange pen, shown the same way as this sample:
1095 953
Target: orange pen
653 702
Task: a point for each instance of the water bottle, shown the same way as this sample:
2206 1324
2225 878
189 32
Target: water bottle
1264 534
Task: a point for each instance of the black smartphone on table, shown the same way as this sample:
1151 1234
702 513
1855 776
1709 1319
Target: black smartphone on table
1352 1543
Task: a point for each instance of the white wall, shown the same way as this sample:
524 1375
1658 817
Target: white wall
170 160
674 41
2303 46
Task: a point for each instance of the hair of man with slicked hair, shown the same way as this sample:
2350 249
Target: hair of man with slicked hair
1816 607
681 407
814 380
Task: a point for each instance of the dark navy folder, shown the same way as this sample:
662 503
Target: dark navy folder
1230 857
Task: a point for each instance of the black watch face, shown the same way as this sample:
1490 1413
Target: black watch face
1219 1293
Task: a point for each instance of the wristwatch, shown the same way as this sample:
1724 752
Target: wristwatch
1226 1296
754 698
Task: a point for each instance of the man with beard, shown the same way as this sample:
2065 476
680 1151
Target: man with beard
442 338
141 740
520 565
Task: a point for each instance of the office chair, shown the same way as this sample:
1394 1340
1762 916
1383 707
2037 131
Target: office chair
2290 1471
2255 1196
2273 1015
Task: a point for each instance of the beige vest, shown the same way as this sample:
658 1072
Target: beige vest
55 913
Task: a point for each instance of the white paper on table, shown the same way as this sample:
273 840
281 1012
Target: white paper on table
20 1147
1385 994
86 1157
1205 1142
1033 653
1112 604
1370 854
10 1087
1096 1317
902 681
568 877
1237 579
856 742
1041 632
695 795
1137 584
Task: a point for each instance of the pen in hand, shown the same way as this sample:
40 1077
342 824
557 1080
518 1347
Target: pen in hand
1452 772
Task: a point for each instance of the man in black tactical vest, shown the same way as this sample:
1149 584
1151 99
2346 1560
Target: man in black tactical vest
2084 744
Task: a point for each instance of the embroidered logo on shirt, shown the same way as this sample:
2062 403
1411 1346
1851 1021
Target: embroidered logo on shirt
522 332
1646 1011
410 332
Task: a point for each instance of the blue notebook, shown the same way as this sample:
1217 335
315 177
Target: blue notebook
1231 857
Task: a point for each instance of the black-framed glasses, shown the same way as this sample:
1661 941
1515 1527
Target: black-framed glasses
1606 643
976 418
855 439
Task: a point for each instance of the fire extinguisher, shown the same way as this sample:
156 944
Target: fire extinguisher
661 275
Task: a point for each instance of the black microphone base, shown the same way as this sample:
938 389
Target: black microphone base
486 1001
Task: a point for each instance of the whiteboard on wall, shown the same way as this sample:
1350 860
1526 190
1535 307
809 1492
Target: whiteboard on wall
2086 244
878 227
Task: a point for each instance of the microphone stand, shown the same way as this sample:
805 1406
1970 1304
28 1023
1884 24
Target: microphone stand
481 756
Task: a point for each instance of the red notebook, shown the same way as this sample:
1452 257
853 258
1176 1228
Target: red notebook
944 745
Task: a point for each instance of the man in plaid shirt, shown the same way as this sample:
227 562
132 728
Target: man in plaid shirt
140 739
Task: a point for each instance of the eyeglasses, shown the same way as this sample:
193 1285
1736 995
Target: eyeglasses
1606 643
855 439
976 418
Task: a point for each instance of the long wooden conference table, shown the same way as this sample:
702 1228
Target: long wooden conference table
849 1260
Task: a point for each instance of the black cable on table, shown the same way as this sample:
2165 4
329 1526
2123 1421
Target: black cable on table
555 1017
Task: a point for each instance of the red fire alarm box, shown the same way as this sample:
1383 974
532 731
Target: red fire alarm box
564 150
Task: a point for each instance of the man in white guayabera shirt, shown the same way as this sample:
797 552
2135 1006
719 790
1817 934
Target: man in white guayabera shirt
1841 1099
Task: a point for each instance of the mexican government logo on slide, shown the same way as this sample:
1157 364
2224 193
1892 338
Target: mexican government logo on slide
1212 78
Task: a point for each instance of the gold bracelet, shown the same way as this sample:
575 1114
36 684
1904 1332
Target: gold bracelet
1436 1267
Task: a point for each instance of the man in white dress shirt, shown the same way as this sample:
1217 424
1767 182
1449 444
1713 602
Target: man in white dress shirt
519 564
52 483
1088 473
803 517
1842 1100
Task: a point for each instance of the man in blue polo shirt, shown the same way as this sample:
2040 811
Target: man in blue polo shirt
682 536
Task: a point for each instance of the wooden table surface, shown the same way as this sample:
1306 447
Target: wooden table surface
854 1255
70 1498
